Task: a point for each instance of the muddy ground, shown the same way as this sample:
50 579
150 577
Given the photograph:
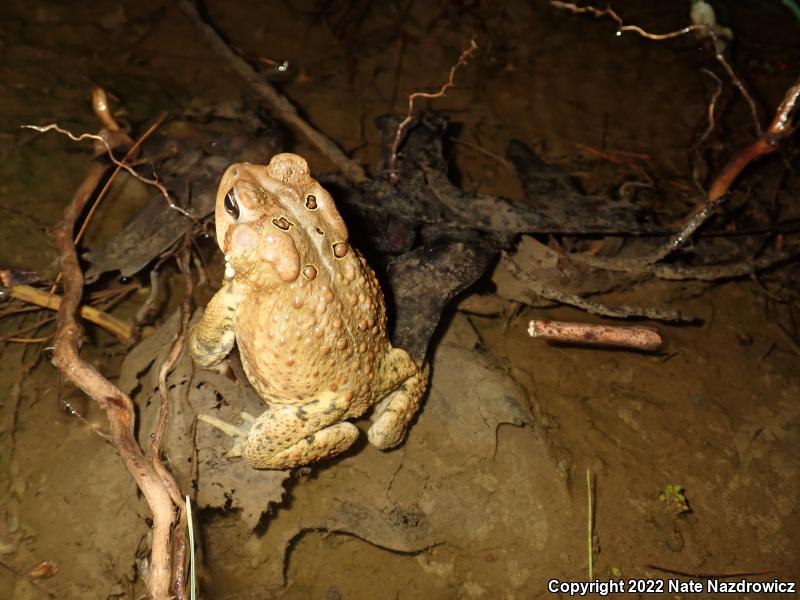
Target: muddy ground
487 498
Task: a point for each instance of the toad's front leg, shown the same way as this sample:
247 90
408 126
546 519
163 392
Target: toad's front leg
211 338
286 436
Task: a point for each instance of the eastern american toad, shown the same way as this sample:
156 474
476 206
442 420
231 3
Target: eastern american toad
309 319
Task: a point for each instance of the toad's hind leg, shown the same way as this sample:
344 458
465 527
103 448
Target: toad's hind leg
286 436
324 443
395 412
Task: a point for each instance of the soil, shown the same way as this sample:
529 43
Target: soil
693 451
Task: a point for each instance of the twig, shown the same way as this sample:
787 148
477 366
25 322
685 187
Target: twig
642 338
789 338
625 158
117 405
102 110
506 163
115 296
281 105
615 156
712 123
175 351
111 294
644 263
712 105
597 308
707 575
121 164
780 128
465 55
15 310
15 336
608 12
149 306
104 114
706 30
120 328
719 54
727 271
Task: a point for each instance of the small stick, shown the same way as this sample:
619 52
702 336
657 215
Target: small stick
281 106
507 164
615 156
642 338
719 54
707 575
102 110
724 271
154 451
712 106
149 307
466 54
589 305
16 337
120 328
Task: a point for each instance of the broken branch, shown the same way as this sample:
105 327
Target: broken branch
281 105
31 295
642 338
102 110
591 306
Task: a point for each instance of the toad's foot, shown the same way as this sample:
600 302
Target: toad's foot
239 434
291 435
325 443
395 412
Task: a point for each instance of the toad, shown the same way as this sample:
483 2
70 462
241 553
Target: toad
309 319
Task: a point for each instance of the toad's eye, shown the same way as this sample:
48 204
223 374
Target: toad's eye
231 203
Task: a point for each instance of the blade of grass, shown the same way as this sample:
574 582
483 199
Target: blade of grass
190 526
589 523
